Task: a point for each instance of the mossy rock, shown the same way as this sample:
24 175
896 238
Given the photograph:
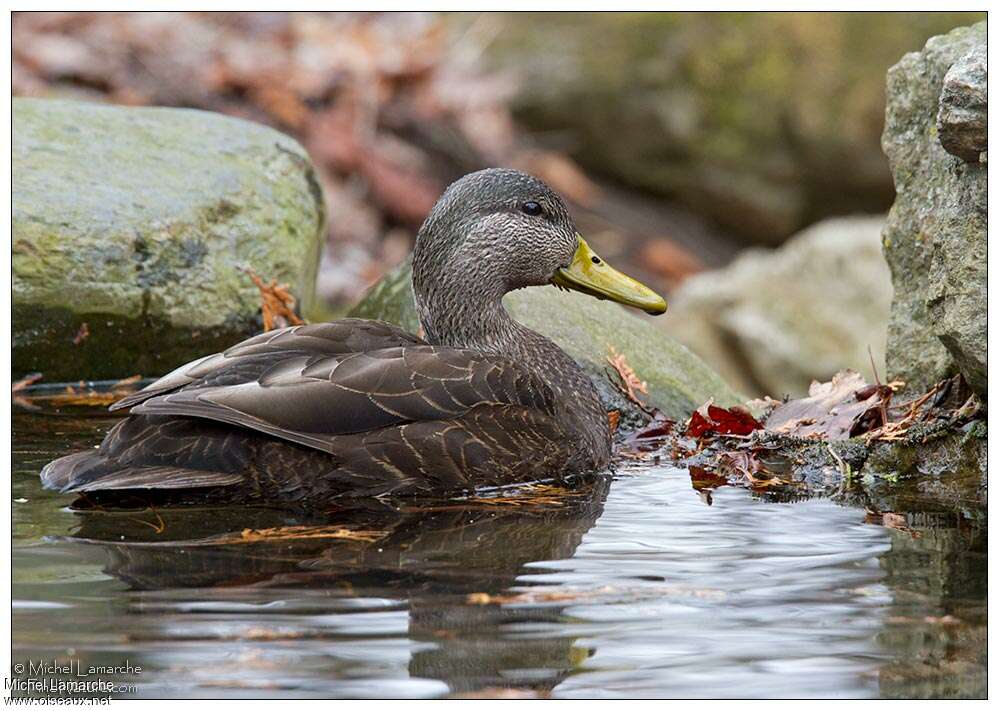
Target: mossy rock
763 121
678 381
936 237
138 222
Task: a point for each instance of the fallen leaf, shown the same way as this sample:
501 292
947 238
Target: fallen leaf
630 385
747 464
831 411
660 426
719 420
701 478
733 420
277 304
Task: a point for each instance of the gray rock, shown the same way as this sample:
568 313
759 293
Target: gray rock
773 321
678 381
962 120
935 239
137 222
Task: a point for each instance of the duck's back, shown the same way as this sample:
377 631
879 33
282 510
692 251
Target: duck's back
350 407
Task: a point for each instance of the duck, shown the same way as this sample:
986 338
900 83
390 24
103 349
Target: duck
355 408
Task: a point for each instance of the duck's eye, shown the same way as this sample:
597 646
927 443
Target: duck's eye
531 208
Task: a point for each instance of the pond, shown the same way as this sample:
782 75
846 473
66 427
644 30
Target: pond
636 585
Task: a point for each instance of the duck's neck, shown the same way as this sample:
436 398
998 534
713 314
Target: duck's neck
463 311
465 318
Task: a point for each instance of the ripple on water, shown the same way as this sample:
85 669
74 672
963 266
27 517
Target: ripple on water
636 588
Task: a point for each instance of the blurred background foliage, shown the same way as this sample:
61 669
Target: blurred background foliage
679 138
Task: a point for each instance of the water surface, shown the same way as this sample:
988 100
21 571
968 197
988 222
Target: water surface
633 586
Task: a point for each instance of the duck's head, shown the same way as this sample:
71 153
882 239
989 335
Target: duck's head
497 230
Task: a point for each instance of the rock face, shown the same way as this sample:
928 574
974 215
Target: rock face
774 320
766 122
935 239
962 120
678 381
131 228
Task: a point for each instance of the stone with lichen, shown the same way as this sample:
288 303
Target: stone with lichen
935 240
138 222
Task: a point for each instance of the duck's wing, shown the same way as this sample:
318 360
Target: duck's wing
248 359
314 400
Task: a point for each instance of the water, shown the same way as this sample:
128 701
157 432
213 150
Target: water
635 586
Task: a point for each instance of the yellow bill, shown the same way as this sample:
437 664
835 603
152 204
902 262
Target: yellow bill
591 275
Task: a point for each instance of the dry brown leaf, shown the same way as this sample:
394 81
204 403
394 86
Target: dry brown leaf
630 385
277 305
831 410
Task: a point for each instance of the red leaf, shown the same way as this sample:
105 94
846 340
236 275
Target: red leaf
659 427
721 421
732 421
698 425
701 478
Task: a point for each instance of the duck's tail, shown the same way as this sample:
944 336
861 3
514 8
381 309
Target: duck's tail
92 471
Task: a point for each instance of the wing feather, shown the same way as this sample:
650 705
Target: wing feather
359 393
247 360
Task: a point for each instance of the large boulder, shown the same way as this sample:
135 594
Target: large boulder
935 239
132 227
765 122
677 380
773 321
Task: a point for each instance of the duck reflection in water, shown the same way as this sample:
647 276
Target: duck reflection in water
437 559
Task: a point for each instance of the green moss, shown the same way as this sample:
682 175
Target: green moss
148 216
115 347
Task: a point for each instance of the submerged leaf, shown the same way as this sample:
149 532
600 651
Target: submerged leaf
701 478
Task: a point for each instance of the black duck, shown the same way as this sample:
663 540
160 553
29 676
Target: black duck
362 408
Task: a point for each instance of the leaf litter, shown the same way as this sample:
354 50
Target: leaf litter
729 446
